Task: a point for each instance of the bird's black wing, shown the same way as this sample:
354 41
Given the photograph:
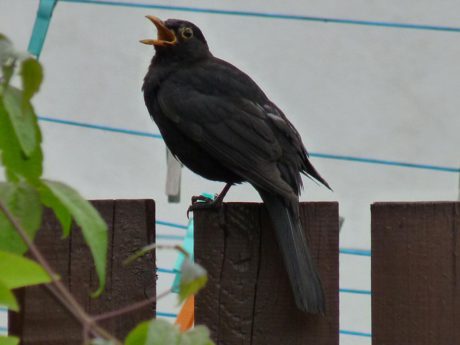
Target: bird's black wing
226 113
223 111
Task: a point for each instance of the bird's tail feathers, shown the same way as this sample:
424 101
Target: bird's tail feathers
312 173
303 276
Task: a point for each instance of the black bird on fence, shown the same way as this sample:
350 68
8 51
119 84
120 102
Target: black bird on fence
220 124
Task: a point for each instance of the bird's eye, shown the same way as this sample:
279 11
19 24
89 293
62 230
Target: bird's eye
187 33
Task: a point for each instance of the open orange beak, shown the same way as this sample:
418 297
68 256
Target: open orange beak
166 37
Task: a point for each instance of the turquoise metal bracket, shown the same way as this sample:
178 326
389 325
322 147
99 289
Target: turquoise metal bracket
188 246
42 22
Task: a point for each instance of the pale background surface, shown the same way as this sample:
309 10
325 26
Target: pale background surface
365 91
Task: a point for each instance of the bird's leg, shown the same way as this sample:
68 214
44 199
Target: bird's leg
218 200
201 202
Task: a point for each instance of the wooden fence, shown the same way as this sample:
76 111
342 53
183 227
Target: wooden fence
248 299
415 275
43 320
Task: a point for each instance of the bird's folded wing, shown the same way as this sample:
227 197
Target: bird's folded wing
233 130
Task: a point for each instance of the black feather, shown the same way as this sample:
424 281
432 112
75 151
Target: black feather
304 278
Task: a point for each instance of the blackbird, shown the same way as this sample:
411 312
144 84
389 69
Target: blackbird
221 125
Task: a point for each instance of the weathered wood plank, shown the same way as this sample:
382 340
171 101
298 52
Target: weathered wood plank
137 281
40 312
416 273
43 320
248 299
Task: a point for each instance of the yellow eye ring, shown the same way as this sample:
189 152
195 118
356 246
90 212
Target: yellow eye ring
187 33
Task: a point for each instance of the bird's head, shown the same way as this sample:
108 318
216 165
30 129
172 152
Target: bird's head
178 39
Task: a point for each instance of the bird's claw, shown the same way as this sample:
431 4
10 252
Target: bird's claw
202 202
201 199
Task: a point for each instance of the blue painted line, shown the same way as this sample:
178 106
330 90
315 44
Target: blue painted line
386 162
3 329
162 314
350 291
350 251
100 127
358 334
270 15
171 224
346 251
170 237
356 291
313 154
3 309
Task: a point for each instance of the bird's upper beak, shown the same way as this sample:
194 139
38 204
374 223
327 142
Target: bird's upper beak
166 37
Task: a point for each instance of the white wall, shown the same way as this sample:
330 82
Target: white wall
365 91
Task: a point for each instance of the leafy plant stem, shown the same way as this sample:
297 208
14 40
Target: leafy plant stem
57 288
89 324
152 247
131 308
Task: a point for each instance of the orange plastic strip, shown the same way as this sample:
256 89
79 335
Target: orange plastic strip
186 317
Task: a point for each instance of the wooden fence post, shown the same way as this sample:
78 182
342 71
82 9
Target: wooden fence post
416 273
43 320
248 299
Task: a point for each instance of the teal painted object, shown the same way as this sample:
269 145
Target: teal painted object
42 22
188 246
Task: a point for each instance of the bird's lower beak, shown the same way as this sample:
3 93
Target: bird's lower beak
166 37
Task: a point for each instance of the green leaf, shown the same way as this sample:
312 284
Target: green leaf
9 341
23 201
8 71
92 225
154 332
60 211
17 271
193 278
3 38
6 49
22 118
139 253
32 77
8 52
7 298
161 332
12 156
8 57
197 336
